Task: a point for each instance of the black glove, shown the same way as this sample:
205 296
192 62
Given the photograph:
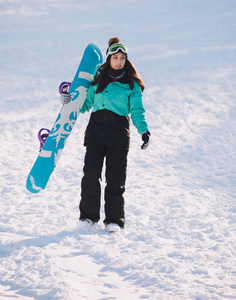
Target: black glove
65 98
146 139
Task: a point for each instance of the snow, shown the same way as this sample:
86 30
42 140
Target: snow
179 240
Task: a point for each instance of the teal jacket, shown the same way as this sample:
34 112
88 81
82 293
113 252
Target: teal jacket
120 99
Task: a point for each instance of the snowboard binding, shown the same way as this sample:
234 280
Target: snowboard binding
43 137
64 87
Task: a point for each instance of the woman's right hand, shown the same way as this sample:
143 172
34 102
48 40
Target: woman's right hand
65 98
63 90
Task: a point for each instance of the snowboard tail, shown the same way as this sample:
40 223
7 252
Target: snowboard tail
56 140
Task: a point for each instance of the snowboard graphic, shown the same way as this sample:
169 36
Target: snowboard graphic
51 151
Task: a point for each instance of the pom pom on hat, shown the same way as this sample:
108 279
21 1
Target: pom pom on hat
113 40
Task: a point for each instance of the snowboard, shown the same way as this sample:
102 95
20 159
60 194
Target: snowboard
65 121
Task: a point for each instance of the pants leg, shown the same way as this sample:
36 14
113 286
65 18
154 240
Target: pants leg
90 184
116 168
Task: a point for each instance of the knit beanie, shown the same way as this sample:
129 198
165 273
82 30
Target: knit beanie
122 48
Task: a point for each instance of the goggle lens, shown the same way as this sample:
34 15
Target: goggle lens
116 47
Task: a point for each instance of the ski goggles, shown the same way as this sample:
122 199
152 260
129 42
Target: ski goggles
115 48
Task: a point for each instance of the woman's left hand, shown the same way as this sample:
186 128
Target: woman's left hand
146 139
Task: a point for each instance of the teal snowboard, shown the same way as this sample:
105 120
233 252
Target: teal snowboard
56 140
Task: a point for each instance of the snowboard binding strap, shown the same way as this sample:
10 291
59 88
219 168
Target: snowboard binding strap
64 87
43 137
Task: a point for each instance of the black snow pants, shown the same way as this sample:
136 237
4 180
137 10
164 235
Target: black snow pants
115 173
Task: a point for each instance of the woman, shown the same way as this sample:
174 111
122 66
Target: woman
114 94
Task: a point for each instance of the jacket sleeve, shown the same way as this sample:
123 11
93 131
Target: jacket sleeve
137 110
89 101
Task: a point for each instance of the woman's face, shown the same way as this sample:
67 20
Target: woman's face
117 61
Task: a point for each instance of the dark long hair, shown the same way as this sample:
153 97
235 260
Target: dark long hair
102 78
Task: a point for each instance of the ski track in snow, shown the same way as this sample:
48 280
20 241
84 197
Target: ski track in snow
179 241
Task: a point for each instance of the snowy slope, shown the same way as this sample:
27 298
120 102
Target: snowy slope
179 241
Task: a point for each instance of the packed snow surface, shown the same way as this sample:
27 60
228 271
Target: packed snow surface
179 240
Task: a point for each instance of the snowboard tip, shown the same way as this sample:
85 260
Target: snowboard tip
31 186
